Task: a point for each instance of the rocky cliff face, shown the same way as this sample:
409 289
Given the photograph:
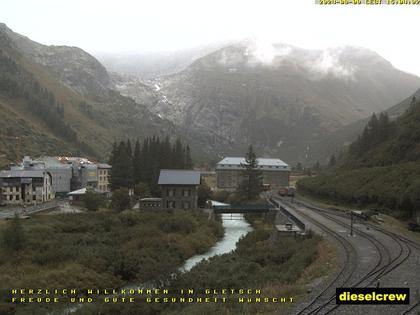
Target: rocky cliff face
281 98
71 65
60 100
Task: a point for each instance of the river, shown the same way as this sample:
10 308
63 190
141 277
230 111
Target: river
234 230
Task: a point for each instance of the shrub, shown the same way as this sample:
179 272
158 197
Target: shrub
120 199
92 200
14 236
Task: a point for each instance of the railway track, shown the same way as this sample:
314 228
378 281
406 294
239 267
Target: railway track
323 302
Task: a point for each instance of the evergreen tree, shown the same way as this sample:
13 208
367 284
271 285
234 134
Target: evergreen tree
144 164
333 161
179 160
251 185
137 163
122 168
113 153
188 159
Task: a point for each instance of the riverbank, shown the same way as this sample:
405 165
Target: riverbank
103 250
277 272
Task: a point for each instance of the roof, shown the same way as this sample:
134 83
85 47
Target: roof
179 177
77 192
151 199
82 191
261 161
103 165
21 173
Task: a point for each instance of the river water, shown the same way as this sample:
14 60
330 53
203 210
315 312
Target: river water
234 230
235 227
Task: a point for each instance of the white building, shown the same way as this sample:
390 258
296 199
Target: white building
25 187
229 172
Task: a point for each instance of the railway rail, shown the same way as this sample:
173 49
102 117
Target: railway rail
386 262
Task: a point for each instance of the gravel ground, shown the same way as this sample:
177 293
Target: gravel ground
365 259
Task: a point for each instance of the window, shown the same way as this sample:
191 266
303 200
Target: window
170 204
186 192
34 198
171 192
17 197
186 205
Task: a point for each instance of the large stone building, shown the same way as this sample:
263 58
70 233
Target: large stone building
61 173
69 173
179 188
229 172
87 174
19 187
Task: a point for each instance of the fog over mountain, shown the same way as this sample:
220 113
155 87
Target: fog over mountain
149 65
279 97
285 100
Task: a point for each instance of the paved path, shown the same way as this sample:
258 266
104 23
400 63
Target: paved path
8 213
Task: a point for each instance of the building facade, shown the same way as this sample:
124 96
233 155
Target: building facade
21 187
103 177
60 173
150 203
69 173
275 172
179 188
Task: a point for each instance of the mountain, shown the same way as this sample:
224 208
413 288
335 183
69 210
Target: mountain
281 98
381 167
60 100
338 141
150 65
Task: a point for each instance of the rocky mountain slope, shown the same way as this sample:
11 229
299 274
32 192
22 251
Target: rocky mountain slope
380 169
58 100
281 98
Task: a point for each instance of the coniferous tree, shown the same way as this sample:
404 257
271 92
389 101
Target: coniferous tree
113 153
251 185
137 162
122 168
333 161
188 159
147 159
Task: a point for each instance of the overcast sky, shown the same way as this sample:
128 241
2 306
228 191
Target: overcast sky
156 25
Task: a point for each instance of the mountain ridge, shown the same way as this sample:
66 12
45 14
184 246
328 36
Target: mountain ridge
58 90
282 99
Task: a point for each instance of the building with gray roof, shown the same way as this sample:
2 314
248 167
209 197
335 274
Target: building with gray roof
275 172
179 188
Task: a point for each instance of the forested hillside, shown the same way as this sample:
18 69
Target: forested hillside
380 169
57 100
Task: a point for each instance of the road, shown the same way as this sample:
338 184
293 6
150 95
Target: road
8 213
372 254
